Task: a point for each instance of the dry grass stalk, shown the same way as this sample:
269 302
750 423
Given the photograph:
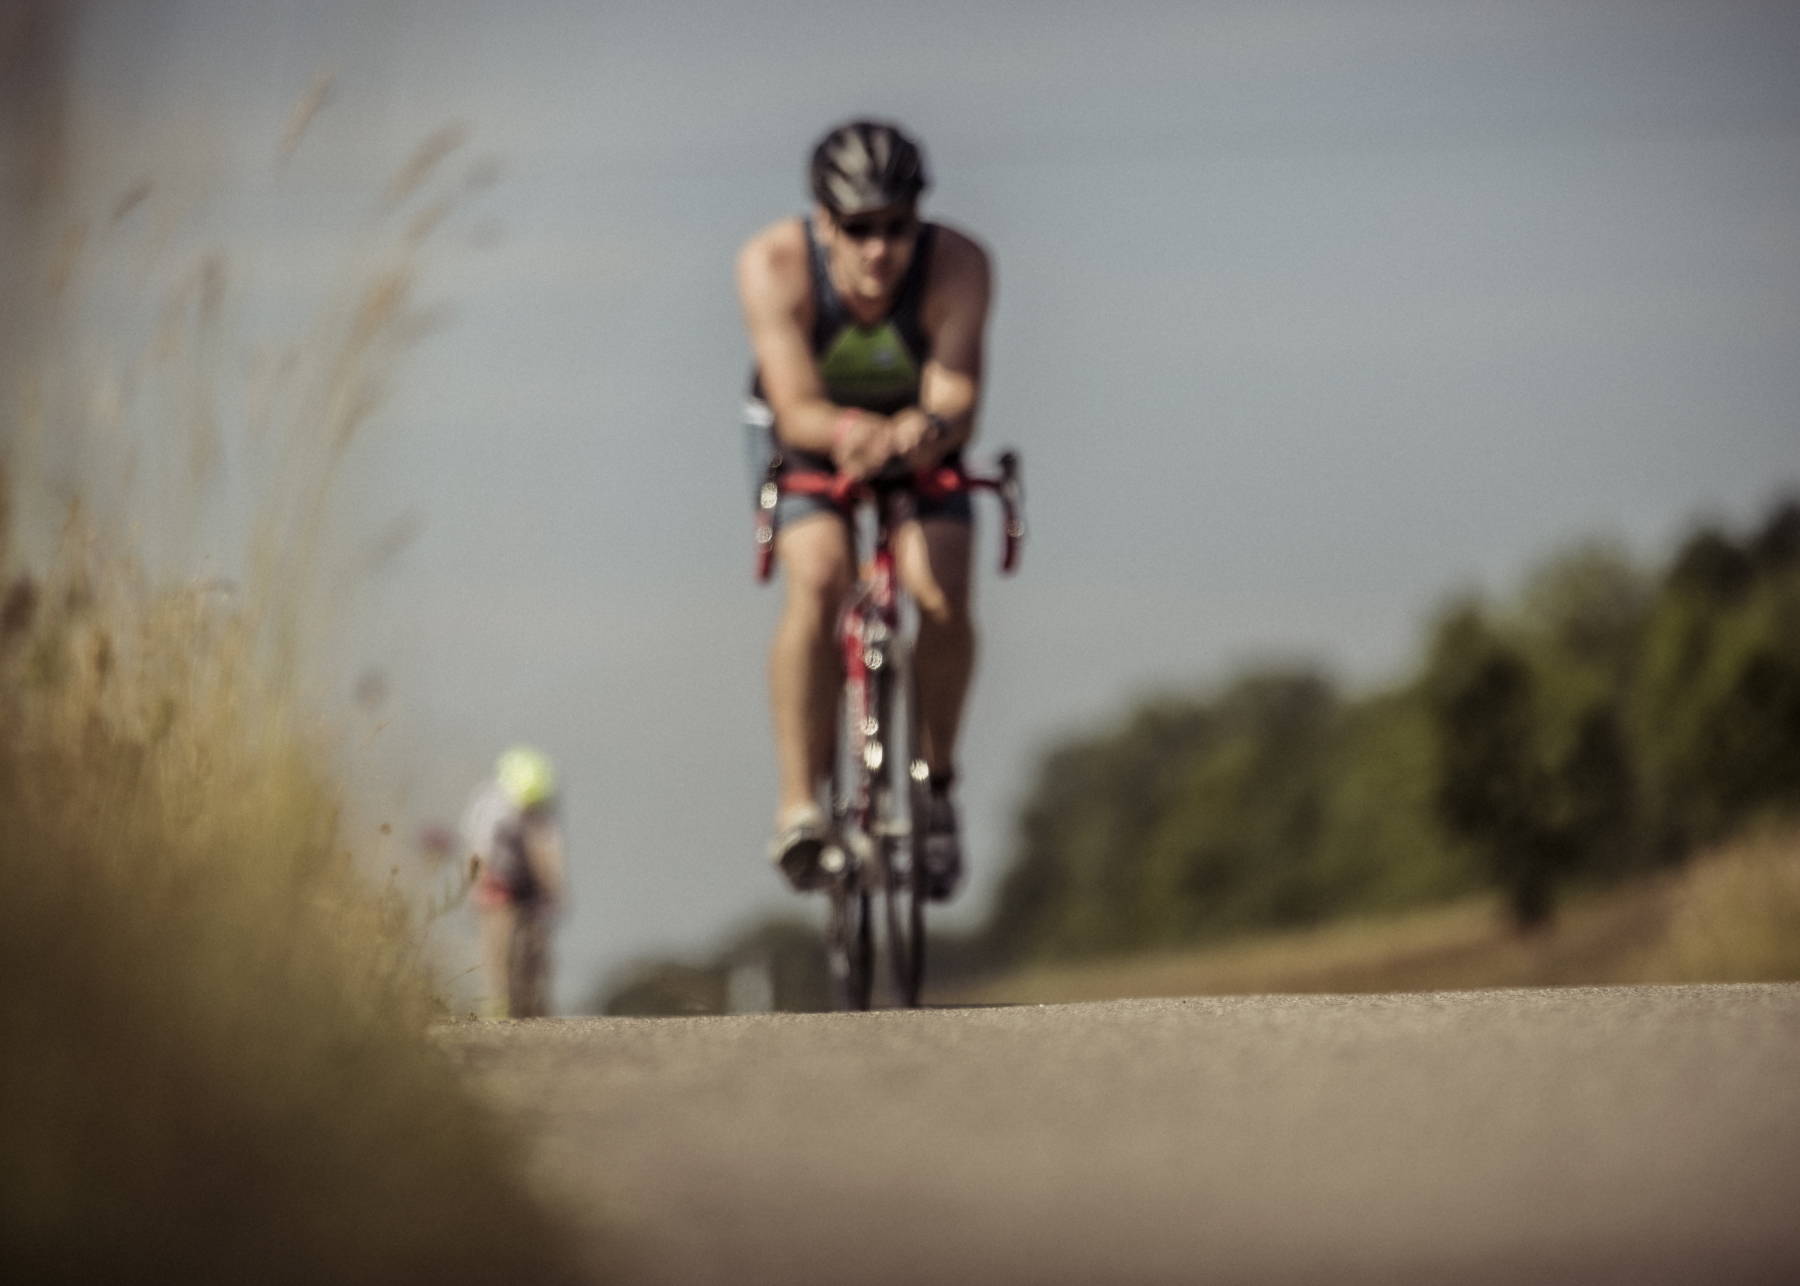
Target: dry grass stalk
314 101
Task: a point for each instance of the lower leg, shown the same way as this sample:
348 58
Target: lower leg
802 688
933 559
804 669
531 966
497 924
944 660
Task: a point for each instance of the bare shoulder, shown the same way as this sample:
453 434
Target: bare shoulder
773 262
961 282
958 257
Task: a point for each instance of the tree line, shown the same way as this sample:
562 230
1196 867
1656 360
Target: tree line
1605 720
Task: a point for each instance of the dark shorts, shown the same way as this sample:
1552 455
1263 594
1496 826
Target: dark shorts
506 877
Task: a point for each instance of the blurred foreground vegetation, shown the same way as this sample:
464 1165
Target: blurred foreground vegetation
1597 728
218 1066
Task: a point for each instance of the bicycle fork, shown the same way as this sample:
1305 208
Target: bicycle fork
874 660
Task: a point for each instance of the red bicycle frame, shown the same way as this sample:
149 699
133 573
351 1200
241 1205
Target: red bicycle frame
875 605
876 844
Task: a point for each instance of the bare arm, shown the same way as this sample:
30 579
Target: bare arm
955 319
775 291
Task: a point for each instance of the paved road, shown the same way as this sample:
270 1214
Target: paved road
1595 1135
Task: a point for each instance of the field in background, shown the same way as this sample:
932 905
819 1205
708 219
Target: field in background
1730 916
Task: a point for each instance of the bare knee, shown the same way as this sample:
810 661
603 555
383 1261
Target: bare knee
819 588
815 566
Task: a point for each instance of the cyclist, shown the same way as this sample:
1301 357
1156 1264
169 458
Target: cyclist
866 325
512 832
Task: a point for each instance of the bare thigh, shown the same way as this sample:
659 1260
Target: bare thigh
932 556
815 557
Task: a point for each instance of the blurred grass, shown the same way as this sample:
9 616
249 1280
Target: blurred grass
1731 915
1737 915
216 1055
217 1059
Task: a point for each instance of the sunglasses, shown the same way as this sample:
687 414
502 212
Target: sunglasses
893 228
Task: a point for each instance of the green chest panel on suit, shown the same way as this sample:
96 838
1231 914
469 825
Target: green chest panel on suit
869 364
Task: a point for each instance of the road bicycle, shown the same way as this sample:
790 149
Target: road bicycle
878 786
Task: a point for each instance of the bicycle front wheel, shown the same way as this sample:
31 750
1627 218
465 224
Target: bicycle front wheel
849 926
849 948
902 871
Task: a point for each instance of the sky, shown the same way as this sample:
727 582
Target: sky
1308 316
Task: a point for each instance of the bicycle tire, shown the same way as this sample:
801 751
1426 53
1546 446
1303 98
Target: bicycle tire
902 871
849 929
849 947
905 932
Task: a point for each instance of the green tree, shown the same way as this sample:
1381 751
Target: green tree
1587 609
1232 848
1383 843
1776 548
1603 719
1716 708
1491 788
1082 834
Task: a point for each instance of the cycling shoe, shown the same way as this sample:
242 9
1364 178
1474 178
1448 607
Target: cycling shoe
799 843
942 851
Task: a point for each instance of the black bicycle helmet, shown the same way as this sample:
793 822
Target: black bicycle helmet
866 165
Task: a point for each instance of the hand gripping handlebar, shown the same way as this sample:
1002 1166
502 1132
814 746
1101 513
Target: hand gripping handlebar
846 492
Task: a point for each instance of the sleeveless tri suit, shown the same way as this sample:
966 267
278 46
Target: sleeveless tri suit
872 368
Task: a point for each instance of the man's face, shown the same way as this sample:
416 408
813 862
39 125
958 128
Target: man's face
870 249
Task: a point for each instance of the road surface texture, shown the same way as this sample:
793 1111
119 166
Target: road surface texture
1593 1135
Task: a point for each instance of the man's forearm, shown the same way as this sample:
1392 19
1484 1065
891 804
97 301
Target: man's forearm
813 425
825 428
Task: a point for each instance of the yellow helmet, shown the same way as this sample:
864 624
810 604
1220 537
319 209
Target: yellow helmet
525 775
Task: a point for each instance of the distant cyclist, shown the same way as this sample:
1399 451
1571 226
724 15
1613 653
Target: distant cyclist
866 323
512 831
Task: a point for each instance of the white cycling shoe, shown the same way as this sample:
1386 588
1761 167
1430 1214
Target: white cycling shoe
799 843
